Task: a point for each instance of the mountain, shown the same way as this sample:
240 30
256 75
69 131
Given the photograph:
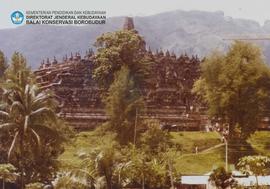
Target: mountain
192 32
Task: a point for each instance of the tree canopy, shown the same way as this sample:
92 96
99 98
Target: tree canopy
7 174
117 49
221 178
255 165
235 87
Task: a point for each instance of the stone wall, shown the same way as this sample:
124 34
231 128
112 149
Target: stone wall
168 96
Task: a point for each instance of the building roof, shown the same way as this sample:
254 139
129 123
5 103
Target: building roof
251 180
194 179
244 181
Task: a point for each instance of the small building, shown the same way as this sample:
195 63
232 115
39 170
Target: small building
250 181
195 182
202 181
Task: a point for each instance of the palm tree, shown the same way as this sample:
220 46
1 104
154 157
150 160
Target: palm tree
104 162
27 113
27 110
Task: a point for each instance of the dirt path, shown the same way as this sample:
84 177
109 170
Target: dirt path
204 151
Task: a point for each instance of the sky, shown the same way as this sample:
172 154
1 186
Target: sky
258 10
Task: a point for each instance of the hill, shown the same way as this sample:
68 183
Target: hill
193 32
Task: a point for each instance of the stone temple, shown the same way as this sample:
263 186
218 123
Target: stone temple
168 97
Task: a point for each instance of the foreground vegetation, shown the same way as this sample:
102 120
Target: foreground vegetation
186 159
184 143
31 134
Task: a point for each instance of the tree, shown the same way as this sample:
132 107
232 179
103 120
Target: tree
121 68
103 162
122 104
169 158
28 114
222 179
118 49
150 171
157 158
7 174
255 165
3 64
18 72
155 141
235 87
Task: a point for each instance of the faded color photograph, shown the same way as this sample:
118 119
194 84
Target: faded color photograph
132 94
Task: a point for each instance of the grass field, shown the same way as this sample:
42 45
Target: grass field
200 163
188 162
210 154
190 140
82 144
